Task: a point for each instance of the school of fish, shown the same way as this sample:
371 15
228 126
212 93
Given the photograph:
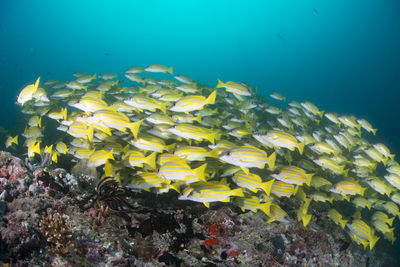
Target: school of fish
158 132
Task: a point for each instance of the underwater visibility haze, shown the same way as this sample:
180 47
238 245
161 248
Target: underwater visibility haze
288 108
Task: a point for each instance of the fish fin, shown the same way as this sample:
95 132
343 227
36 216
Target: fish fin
271 161
343 223
163 107
373 241
40 122
211 137
220 84
176 186
374 131
15 140
384 161
306 219
246 170
308 178
170 70
151 160
36 85
198 118
300 146
265 207
267 186
200 172
211 98
237 192
64 113
391 156
390 221
207 204
170 147
134 126
226 200
110 154
90 133
362 191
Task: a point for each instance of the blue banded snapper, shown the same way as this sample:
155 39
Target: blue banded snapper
217 146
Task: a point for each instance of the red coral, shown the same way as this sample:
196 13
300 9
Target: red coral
210 242
233 253
214 229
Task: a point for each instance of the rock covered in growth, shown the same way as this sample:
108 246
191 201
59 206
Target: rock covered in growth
11 167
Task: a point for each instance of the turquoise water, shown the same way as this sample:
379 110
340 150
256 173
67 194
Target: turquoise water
341 55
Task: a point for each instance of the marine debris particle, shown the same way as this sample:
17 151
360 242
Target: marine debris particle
224 144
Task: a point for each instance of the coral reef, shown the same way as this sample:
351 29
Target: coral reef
43 224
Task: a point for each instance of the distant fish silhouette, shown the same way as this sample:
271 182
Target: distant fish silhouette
106 54
281 37
315 11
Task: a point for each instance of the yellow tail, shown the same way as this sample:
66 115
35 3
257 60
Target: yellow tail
163 107
267 186
308 178
373 241
211 98
220 84
171 70
343 223
306 219
151 160
36 85
110 155
90 133
211 137
300 147
170 147
265 207
271 161
198 118
134 126
237 192
200 172
15 140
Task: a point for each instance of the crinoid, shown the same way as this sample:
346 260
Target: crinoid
109 193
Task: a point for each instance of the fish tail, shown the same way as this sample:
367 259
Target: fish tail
373 241
163 107
198 118
90 133
200 172
237 192
211 137
211 98
134 126
306 219
271 161
390 221
94 76
40 122
176 186
151 160
170 147
300 146
308 178
369 205
384 161
110 155
320 113
265 207
342 223
362 191
220 84
15 140
391 156
267 186
36 85
374 131
170 70
64 113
